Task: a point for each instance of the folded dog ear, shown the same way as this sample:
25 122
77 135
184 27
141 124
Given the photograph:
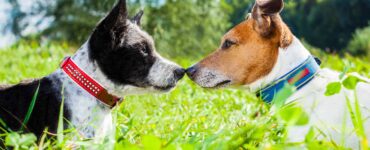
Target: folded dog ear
262 12
267 20
270 7
137 18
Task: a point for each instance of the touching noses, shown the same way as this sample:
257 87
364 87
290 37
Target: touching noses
179 73
191 71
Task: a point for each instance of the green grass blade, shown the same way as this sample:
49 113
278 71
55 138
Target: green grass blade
351 112
356 117
360 123
60 129
31 107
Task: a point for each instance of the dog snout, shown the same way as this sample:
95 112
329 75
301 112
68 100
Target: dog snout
192 71
179 73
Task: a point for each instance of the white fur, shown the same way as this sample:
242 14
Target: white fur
328 114
288 59
89 116
162 73
209 78
91 68
137 35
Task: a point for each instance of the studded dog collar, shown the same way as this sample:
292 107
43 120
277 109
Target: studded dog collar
87 83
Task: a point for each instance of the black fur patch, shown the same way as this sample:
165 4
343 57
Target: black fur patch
122 63
15 102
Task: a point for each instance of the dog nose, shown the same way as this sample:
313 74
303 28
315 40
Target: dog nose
179 73
191 71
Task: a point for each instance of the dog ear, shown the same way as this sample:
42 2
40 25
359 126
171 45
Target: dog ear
109 32
267 19
116 18
137 18
262 13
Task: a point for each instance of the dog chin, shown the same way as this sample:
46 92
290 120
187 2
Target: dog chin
212 79
215 84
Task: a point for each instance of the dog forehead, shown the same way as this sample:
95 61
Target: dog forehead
240 32
135 35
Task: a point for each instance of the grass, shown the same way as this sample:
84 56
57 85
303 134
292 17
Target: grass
187 118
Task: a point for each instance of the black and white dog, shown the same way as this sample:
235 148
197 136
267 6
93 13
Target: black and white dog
118 56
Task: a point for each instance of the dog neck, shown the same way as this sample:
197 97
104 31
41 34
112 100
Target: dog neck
90 67
288 59
88 115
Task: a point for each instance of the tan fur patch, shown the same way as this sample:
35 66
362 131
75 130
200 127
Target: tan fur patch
254 54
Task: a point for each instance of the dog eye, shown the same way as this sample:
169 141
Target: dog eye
145 50
227 44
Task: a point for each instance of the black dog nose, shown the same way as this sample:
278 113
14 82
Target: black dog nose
191 71
179 73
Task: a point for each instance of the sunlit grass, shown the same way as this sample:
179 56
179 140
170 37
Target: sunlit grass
30 60
187 118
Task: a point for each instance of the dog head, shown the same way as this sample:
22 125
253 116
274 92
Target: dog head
248 51
127 57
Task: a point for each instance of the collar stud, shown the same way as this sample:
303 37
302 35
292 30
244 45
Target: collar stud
93 87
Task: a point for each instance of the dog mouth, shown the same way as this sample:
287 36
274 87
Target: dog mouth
221 84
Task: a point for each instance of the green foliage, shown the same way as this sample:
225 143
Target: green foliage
281 97
326 23
350 83
357 120
360 43
72 20
60 129
333 88
20 142
30 108
196 25
337 62
189 117
31 59
293 115
237 9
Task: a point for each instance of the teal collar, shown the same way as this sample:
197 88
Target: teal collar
297 78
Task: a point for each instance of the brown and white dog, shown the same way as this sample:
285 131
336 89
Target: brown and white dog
260 51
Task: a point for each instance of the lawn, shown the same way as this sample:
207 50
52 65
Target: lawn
187 118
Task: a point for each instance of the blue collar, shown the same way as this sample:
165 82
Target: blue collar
297 78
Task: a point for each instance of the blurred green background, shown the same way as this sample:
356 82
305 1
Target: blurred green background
336 26
44 31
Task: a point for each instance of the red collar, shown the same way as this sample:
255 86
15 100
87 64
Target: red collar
88 83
